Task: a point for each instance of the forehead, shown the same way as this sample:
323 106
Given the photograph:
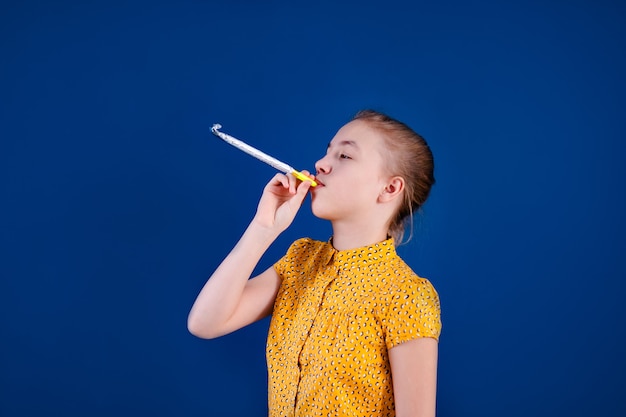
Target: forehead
358 134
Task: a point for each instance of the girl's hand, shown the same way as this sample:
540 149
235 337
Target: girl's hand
280 202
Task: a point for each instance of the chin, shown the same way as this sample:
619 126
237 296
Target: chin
320 212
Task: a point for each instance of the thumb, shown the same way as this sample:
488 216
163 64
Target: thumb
301 191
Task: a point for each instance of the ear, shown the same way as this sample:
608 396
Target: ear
393 189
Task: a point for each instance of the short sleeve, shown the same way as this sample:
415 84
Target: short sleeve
413 312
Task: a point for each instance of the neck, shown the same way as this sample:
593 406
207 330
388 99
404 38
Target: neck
349 236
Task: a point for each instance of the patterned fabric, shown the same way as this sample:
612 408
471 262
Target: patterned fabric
336 315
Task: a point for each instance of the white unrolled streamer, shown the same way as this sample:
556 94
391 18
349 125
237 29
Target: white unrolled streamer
262 156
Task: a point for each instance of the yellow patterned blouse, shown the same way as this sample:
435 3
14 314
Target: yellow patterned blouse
336 315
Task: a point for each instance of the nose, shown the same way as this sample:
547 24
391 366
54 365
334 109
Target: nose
322 167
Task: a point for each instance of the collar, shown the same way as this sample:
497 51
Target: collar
361 256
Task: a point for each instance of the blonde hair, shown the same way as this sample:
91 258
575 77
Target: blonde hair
411 159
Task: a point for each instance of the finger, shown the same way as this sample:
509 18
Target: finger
293 182
303 188
279 179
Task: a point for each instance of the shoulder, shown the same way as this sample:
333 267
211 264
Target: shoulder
417 288
402 274
302 254
405 284
306 247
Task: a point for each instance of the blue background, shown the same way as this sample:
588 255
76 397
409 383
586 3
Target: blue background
117 203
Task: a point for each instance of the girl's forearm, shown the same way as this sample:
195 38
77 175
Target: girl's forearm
221 295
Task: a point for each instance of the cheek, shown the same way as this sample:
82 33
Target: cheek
364 188
356 186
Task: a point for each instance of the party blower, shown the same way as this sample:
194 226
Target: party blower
281 166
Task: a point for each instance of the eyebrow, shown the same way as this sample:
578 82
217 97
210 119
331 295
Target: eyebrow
347 143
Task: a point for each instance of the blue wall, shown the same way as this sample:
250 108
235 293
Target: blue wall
117 203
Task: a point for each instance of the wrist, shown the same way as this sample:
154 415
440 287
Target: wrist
261 233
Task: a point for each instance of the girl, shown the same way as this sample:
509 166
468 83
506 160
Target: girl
354 330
